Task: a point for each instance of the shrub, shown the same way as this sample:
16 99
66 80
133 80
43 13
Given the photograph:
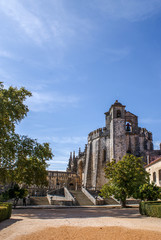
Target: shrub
149 191
152 209
5 211
4 196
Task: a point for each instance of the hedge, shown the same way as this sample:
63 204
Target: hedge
5 211
151 208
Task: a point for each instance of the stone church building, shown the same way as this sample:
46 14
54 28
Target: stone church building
120 135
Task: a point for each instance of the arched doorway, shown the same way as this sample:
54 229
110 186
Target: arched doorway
71 186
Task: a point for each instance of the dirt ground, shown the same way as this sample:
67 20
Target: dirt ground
80 223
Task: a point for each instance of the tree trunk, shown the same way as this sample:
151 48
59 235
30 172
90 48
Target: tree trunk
123 200
123 203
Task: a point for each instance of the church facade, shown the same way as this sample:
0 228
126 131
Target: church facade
120 135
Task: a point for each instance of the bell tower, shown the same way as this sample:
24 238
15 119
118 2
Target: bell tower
117 131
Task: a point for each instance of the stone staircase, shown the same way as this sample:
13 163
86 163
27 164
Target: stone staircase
107 201
81 198
39 201
111 201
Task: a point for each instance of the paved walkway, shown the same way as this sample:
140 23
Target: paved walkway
25 221
82 206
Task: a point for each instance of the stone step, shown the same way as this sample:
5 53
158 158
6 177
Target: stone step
81 198
111 201
39 201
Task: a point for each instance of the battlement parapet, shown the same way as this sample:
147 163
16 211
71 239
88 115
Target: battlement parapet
144 132
97 133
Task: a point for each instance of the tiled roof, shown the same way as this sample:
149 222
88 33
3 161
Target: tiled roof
153 162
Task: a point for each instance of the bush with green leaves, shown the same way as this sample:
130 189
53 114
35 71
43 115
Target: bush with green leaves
150 208
5 211
149 192
4 196
17 193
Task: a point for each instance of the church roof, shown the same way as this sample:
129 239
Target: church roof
117 103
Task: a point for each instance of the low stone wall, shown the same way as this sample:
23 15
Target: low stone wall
67 200
95 201
62 202
68 195
20 201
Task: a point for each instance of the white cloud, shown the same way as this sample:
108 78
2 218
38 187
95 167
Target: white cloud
157 145
50 21
50 101
67 140
132 10
61 161
6 54
31 24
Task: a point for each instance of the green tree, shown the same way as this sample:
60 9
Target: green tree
22 159
16 193
124 178
149 192
12 109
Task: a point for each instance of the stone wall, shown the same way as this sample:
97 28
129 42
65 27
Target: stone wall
154 168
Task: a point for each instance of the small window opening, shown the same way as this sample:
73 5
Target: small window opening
154 176
104 155
160 175
118 113
128 127
145 145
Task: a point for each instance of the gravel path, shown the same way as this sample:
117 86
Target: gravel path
29 221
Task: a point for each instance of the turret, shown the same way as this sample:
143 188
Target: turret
116 117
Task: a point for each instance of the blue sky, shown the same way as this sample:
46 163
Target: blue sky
77 58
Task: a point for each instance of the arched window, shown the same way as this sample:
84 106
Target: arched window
159 174
118 113
154 176
128 127
104 155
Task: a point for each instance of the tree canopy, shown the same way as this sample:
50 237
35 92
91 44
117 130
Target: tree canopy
22 159
124 178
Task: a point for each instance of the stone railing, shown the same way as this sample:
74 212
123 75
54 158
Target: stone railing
95 200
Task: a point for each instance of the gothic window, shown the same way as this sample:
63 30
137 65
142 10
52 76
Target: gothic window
128 127
159 174
104 155
118 113
154 176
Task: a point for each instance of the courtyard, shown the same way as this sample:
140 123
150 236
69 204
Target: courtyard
80 223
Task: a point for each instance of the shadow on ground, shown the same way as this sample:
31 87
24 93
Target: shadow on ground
8 222
77 213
